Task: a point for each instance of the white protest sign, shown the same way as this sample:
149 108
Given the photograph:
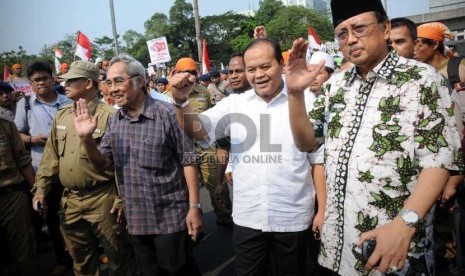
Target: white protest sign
158 50
22 86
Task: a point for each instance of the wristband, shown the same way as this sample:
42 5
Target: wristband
30 139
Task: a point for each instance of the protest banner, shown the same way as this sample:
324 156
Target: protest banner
22 86
158 50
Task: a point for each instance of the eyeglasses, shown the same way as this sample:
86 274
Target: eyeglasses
118 82
357 31
41 79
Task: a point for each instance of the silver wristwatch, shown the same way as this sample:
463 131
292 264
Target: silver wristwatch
181 105
195 205
411 218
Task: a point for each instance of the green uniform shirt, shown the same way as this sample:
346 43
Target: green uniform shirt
64 155
13 154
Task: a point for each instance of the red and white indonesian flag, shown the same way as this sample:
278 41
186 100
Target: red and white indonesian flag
314 43
83 48
58 52
205 59
57 65
58 55
6 73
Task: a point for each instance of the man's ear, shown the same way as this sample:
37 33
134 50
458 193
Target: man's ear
89 84
387 29
140 82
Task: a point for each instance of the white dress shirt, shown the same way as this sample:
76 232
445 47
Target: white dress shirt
273 187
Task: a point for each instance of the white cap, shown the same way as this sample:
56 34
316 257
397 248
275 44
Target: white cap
318 56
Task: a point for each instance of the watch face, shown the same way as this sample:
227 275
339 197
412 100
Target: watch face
410 217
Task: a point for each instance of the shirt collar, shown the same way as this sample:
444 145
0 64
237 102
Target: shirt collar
56 102
252 95
93 105
146 111
384 69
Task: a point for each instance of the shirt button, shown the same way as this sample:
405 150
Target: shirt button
71 169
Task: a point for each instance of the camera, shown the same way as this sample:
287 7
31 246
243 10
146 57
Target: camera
367 249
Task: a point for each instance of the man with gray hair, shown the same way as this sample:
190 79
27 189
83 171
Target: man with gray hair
155 167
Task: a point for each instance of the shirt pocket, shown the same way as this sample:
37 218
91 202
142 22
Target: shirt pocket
152 153
6 155
97 136
61 141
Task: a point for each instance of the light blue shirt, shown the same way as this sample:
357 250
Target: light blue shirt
39 120
159 96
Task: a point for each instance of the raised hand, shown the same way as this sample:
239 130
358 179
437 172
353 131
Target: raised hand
298 75
84 123
181 85
259 32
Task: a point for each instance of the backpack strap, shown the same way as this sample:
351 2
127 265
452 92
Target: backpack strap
453 70
27 107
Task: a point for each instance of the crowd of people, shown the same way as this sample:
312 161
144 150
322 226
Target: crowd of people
319 169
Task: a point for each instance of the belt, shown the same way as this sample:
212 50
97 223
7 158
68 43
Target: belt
88 190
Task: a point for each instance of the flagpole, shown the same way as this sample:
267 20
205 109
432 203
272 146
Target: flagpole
77 42
197 29
113 24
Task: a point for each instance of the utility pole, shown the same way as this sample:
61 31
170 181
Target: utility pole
197 28
113 24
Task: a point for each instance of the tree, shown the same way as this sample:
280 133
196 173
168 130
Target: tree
292 22
267 11
104 47
179 30
131 37
182 29
12 57
158 25
220 31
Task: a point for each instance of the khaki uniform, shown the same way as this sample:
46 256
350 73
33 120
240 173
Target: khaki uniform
89 194
200 101
17 239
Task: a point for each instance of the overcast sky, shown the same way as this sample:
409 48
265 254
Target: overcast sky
35 23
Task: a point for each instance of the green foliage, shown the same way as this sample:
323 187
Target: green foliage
292 22
267 11
220 31
12 57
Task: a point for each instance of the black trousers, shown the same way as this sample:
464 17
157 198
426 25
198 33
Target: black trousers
270 253
53 223
17 239
165 254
